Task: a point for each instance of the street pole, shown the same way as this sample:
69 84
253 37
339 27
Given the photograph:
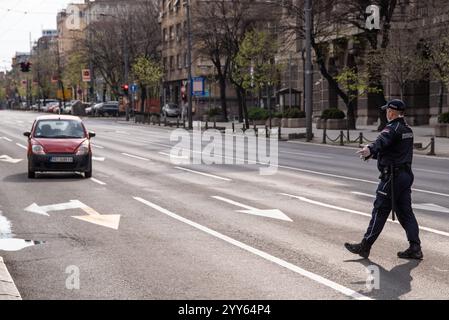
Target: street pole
290 76
125 50
189 66
308 81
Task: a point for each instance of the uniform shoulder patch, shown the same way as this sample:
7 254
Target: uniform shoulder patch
408 135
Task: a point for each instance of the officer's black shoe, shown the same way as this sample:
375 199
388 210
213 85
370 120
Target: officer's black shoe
413 252
362 249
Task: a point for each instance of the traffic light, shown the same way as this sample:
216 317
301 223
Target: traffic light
125 89
25 66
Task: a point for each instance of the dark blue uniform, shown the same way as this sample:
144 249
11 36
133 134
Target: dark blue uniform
393 150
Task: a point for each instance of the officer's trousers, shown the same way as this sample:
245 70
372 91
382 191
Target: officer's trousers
403 181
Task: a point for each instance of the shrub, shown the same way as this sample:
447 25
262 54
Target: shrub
443 118
332 113
214 112
294 113
278 115
258 114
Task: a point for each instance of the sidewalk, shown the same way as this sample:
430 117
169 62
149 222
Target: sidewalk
8 290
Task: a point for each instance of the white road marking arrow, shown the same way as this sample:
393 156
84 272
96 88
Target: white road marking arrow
5 158
109 221
270 213
420 206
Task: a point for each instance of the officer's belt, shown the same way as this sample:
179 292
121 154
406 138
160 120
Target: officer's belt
386 171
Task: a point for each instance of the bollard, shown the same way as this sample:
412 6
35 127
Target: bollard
177 122
432 147
342 136
324 134
266 132
233 127
159 121
243 128
207 124
361 138
279 133
215 123
165 121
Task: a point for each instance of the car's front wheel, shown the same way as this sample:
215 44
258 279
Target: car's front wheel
88 174
31 174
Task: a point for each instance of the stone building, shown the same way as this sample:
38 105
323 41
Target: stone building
412 21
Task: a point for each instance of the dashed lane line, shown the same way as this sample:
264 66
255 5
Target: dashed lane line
22 146
322 204
98 181
135 157
203 174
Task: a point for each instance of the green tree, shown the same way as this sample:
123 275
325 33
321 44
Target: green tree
72 74
354 84
254 67
149 75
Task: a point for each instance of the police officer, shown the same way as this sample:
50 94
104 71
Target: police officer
393 150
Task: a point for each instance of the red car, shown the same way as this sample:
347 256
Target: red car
59 143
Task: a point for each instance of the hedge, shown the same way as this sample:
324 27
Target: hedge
332 113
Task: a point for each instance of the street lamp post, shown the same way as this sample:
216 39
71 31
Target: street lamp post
189 65
308 74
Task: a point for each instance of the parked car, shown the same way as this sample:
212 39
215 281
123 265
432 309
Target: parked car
171 110
59 143
105 109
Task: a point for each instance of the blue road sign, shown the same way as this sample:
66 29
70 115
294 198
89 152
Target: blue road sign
134 88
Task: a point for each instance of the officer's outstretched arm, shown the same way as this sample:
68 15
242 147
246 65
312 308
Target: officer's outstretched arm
384 140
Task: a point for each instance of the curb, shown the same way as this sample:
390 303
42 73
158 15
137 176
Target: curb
8 290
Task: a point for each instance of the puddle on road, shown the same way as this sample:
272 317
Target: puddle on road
7 243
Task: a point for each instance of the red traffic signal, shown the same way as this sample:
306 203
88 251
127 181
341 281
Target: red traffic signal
125 89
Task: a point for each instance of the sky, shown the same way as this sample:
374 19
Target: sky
19 18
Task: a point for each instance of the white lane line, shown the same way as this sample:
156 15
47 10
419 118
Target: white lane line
442 233
310 275
7 139
98 181
419 206
97 146
21 146
173 155
431 171
101 159
203 174
306 154
135 157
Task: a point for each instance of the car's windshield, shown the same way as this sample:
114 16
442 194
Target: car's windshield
59 129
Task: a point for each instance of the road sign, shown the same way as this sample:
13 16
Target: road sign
198 87
86 75
134 88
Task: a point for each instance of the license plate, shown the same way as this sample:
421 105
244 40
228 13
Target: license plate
61 159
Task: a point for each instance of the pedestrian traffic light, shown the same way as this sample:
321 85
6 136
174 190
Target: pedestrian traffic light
125 89
25 66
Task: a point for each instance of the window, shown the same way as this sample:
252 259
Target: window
165 63
164 34
178 61
172 67
178 32
185 60
172 34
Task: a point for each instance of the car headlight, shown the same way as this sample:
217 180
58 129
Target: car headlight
38 149
83 149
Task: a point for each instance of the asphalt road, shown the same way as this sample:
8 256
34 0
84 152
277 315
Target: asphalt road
202 231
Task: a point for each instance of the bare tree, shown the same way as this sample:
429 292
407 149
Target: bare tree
219 27
116 40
